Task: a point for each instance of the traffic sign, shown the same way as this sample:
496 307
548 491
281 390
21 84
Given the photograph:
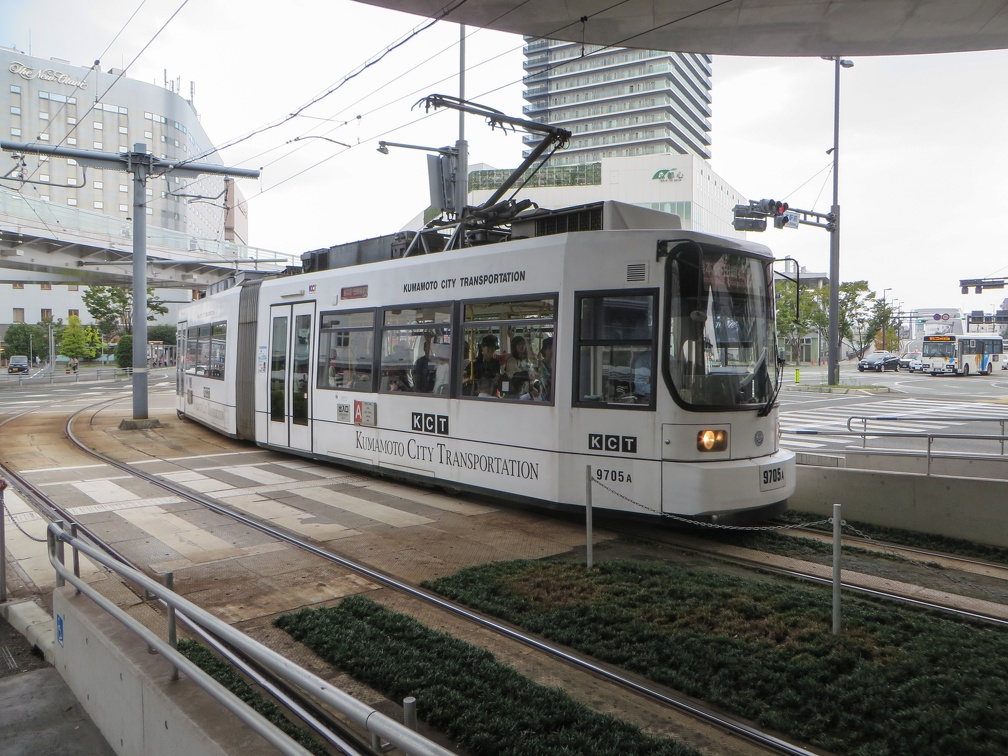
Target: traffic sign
792 219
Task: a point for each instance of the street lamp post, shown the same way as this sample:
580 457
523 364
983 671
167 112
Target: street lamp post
833 367
885 318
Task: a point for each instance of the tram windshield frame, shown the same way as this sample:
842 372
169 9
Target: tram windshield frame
719 328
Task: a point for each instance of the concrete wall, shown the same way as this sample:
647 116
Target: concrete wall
129 694
974 509
914 462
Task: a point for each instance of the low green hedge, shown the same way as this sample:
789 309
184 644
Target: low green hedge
896 681
481 704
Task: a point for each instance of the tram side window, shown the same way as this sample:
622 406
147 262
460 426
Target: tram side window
345 350
206 346
192 349
616 348
416 345
218 349
507 350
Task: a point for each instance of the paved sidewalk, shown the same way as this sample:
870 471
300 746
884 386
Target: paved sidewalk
38 712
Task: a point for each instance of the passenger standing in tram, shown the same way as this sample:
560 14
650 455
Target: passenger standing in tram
546 368
486 369
424 370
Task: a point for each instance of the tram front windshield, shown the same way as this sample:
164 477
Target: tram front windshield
721 327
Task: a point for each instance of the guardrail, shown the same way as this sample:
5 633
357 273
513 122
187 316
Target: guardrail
377 724
865 419
929 437
50 377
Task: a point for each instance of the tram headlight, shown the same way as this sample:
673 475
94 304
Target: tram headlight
712 440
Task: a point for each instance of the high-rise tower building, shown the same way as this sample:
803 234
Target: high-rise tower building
618 102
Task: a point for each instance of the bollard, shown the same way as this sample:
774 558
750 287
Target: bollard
797 375
409 712
588 513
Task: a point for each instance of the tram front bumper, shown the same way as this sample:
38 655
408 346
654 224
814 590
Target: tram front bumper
726 487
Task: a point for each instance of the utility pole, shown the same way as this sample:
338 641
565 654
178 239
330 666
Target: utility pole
142 165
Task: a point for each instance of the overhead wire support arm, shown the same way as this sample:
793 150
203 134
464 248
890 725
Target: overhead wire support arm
555 136
142 164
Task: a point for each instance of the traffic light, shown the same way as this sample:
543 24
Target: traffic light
749 224
771 207
780 221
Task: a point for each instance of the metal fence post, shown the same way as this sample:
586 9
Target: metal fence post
60 581
76 554
172 630
836 569
588 513
3 543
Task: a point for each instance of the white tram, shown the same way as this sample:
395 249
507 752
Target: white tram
640 351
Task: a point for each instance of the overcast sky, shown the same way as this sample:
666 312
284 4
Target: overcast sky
923 159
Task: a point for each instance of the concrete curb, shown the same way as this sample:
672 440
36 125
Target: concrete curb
34 623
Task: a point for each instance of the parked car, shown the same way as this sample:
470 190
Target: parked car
879 361
18 364
908 359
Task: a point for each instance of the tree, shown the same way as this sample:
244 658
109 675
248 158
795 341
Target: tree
792 325
124 352
855 316
29 340
164 333
94 339
75 341
112 308
883 326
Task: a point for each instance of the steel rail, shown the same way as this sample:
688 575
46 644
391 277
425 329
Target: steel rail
316 718
702 713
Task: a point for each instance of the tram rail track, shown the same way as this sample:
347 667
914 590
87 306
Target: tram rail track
955 606
762 741
681 704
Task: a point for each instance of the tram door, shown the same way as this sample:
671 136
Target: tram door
290 363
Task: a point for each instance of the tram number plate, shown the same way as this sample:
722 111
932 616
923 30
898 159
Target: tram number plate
771 477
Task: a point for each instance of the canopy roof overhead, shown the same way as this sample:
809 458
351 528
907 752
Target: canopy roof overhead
740 27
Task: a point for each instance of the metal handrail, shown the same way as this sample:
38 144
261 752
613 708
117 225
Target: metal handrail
366 717
931 437
925 419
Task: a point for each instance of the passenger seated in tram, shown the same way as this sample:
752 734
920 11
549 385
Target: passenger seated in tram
518 368
486 370
531 391
396 382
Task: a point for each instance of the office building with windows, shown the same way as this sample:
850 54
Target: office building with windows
640 133
619 102
55 103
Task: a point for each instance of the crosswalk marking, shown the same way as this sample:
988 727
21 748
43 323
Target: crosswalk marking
834 418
